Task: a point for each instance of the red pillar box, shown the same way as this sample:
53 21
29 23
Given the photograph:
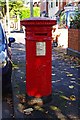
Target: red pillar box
38 56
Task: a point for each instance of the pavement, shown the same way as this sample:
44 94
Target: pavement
65 104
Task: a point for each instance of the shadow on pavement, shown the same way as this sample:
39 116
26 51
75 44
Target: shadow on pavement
65 87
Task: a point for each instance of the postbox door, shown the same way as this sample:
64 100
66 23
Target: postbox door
38 68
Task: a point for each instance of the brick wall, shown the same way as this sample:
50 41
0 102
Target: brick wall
74 39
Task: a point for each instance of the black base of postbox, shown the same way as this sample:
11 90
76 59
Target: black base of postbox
43 100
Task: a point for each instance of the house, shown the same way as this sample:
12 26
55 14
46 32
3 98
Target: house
52 7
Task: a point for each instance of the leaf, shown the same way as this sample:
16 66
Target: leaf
28 111
64 97
73 97
21 108
24 81
78 66
73 81
21 98
9 101
46 112
67 72
69 75
60 116
61 92
39 108
58 80
54 108
37 101
73 117
15 66
71 86
72 67
19 71
53 74
73 78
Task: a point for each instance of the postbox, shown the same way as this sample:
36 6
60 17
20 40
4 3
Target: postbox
38 32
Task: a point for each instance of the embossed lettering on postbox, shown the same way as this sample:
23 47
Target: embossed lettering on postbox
40 48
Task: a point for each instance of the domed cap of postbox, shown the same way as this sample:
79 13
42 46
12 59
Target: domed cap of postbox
39 21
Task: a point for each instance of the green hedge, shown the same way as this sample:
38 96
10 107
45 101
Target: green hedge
75 24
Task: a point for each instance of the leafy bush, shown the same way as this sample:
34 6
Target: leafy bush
75 24
36 11
25 12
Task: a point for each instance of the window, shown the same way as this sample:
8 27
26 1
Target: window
56 2
51 4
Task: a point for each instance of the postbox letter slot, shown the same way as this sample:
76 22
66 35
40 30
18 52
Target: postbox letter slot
41 34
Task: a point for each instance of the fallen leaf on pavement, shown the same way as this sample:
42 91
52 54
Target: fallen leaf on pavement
73 78
38 108
72 67
53 74
21 98
78 66
73 97
37 101
60 116
69 75
73 117
21 108
54 108
71 86
9 101
64 97
28 111
15 66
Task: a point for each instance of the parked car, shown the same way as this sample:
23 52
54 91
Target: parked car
66 17
5 60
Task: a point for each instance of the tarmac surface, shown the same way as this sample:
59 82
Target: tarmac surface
65 104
